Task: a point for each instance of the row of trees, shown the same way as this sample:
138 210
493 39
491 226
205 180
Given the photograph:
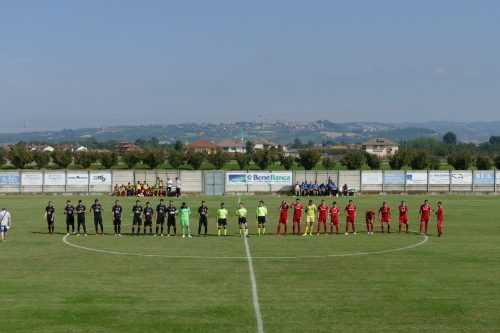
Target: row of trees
19 157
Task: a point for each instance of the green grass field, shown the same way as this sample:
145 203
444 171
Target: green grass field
333 283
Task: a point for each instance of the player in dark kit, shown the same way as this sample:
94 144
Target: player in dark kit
49 215
148 219
161 210
70 217
137 213
116 215
80 212
97 208
171 212
203 218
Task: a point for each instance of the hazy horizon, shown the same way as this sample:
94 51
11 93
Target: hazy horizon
96 64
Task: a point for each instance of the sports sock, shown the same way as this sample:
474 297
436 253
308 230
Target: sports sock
183 231
175 230
338 229
407 227
67 229
388 228
116 229
138 230
258 230
199 229
353 228
119 229
52 228
400 227
102 228
133 230
84 229
151 230
157 230
319 228
218 232
168 230
426 228
205 229
286 229
347 228
293 228
96 229
420 227
225 231
48 227
382 227
241 231
189 231
298 229
325 228
144 230
279 229
264 230
161 230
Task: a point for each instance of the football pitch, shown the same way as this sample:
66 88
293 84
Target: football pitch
336 283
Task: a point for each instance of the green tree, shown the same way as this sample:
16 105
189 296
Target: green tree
41 159
483 162
195 158
328 162
434 163
3 159
496 162
19 156
153 157
250 147
373 161
286 161
494 140
353 159
308 158
108 159
219 158
62 158
419 160
264 158
242 159
399 159
176 158
460 160
85 158
450 138
179 146
131 158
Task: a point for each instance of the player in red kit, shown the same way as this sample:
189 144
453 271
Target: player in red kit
370 216
424 216
403 217
283 217
350 210
323 211
334 217
385 211
297 213
440 218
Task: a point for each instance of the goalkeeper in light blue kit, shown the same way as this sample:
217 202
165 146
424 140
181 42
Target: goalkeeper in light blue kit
184 212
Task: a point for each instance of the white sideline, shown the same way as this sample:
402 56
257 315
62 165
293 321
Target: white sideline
260 327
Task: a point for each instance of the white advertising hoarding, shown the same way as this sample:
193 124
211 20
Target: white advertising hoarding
100 178
460 178
78 178
371 178
33 179
55 179
436 178
414 178
238 178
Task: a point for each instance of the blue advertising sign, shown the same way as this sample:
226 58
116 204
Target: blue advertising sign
394 178
9 179
484 178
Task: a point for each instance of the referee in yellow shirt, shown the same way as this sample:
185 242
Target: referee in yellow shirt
311 210
261 217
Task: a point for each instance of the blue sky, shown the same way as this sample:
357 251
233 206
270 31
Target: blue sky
69 64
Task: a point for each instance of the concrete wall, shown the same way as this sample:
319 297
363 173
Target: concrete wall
371 181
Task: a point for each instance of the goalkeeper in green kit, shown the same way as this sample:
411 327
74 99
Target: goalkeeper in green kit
184 212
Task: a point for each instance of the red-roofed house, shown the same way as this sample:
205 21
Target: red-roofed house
232 146
203 145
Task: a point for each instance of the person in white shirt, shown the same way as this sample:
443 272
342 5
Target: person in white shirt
169 186
177 187
5 223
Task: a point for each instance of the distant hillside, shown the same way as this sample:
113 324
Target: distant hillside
279 131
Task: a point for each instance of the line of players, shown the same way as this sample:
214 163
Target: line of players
169 213
319 213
